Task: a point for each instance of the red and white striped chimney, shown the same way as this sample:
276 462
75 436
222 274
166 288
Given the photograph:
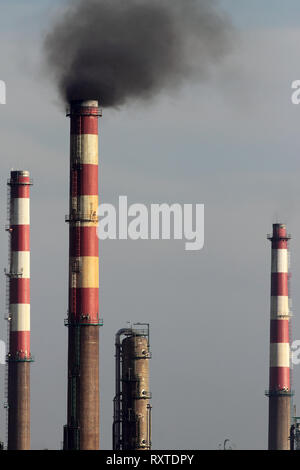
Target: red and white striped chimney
82 429
19 356
279 392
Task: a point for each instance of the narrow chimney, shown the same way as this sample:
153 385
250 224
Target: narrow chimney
19 355
279 392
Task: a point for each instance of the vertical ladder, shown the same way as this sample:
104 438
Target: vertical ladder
7 309
75 271
290 330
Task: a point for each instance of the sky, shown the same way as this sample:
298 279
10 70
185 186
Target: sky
231 143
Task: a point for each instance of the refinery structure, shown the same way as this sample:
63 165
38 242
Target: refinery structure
83 320
132 410
131 405
123 56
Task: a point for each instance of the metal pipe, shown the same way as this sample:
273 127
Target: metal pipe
117 398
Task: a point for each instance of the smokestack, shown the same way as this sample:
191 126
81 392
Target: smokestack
82 429
279 392
19 356
132 409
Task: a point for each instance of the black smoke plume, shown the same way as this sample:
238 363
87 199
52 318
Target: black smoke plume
119 50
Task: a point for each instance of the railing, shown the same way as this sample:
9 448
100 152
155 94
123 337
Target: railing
76 266
10 358
12 182
136 332
277 393
11 274
83 111
282 315
278 237
83 321
79 217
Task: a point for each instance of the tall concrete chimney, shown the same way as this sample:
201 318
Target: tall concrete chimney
19 355
82 429
279 392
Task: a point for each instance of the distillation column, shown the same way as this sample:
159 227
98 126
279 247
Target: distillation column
132 409
19 356
279 392
82 429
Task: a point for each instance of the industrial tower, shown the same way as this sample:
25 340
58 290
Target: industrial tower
82 429
132 409
18 315
279 392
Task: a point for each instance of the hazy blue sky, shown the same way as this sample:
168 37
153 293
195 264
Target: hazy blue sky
231 143
263 14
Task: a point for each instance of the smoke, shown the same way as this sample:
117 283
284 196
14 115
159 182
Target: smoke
119 50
